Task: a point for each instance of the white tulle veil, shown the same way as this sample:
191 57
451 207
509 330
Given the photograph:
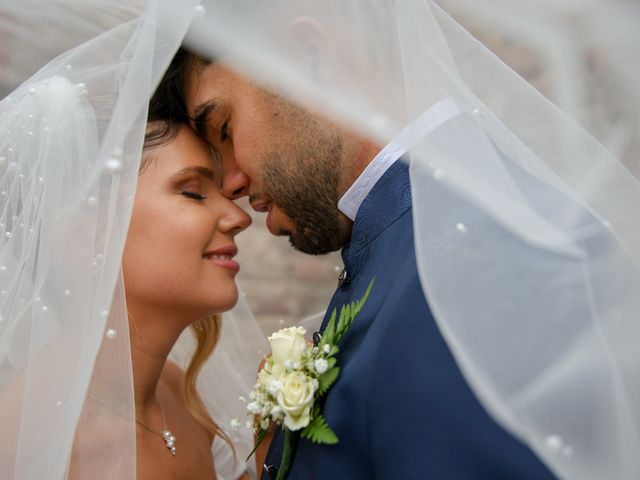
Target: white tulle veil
526 239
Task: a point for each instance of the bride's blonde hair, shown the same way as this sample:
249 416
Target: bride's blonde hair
206 333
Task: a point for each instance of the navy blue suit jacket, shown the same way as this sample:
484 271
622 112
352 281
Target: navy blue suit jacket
401 407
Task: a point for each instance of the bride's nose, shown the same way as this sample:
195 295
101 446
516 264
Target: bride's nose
234 220
235 183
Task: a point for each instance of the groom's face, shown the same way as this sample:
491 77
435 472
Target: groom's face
288 161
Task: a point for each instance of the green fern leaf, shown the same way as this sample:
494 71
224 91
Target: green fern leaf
260 437
329 332
319 432
348 314
366 295
326 380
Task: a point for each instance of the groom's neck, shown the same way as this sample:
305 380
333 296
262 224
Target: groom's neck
358 155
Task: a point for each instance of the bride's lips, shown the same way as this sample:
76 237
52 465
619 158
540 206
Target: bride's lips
223 257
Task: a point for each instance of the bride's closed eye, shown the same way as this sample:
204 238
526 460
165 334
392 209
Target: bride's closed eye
193 182
193 195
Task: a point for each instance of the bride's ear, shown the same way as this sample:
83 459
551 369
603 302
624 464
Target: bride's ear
309 40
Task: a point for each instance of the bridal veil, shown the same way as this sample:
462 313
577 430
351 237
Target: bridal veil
526 239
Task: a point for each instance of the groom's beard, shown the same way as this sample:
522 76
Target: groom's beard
304 185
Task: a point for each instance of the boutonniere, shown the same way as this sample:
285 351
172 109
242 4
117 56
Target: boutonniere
293 380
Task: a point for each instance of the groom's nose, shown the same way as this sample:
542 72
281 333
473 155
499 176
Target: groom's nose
235 183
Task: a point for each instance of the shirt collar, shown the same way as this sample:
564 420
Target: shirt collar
435 116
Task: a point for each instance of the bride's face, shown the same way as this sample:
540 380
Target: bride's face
179 251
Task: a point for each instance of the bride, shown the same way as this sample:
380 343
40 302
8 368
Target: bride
115 239
179 272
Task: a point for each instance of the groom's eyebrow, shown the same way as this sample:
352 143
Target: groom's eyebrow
201 115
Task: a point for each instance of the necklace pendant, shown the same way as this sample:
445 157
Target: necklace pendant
170 441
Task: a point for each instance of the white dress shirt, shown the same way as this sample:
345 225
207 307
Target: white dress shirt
435 116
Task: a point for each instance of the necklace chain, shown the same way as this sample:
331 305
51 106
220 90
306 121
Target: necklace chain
167 436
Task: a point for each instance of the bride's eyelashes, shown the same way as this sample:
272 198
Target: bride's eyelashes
193 195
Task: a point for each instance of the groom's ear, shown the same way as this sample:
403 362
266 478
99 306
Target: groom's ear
310 44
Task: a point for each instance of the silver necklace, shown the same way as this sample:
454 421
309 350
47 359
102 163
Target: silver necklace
167 436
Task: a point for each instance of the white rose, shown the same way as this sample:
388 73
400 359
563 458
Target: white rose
299 422
287 344
269 373
295 398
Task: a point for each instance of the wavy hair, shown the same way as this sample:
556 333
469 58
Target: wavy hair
206 333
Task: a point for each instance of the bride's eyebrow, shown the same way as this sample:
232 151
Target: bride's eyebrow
201 115
202 171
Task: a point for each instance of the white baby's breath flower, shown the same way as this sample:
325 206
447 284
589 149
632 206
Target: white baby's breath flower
315 384
326 348
273 386
264 423
242 399
288 364
321 365
296 365
254 408
235 423
275 412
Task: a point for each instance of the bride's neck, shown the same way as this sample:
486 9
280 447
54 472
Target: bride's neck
151 342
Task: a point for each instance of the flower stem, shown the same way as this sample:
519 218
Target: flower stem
291 440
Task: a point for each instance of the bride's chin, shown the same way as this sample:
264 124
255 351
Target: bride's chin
226 303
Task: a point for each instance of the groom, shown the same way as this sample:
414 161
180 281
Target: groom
401 407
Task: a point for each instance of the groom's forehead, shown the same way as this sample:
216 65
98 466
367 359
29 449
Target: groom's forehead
213 83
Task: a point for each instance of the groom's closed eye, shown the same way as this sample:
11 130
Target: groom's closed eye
201 117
